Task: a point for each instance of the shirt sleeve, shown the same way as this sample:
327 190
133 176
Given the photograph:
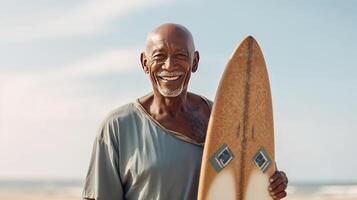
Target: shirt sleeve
103 180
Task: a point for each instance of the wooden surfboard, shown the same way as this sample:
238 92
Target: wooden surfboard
238 156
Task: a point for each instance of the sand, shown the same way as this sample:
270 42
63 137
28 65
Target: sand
321 198
66 197
37 197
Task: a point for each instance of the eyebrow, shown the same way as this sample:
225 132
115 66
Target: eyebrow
159 49
183 51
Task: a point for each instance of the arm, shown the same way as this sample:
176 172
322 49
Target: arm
103 180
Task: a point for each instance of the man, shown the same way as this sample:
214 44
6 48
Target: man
152 148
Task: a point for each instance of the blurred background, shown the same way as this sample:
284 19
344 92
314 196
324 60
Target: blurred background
65 64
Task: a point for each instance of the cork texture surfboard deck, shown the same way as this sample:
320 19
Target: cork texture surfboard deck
238 156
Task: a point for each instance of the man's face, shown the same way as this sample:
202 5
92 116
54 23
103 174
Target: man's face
169 60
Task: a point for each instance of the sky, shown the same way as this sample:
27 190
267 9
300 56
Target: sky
66 64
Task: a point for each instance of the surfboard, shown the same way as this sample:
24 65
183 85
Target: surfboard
238 157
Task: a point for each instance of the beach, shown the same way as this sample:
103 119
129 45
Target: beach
321 198
73 197
37 197
72 189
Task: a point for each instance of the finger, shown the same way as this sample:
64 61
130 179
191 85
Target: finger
275 176
278 175
276 183
279 189
280 195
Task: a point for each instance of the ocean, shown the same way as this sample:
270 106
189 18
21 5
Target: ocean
51 187
326 190
74 188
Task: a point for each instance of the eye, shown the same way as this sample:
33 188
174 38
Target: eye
181 56
159 56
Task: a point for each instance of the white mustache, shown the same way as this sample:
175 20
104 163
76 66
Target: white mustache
165 73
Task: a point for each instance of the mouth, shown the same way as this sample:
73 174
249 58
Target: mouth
170 84
169 77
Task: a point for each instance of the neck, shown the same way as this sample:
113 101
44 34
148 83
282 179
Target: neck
169 105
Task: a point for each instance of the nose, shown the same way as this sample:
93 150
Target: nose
169 64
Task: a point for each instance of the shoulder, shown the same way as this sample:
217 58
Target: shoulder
200 100
110 126
208 101
121 112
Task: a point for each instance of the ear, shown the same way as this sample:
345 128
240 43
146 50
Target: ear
196 59
144 61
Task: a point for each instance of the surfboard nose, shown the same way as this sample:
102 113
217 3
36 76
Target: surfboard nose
249 37
248 40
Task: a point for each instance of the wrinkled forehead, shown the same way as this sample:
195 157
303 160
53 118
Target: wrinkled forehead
171 38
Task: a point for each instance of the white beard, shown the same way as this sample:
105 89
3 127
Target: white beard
170 93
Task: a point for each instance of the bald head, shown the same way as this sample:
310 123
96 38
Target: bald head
169 59
170 32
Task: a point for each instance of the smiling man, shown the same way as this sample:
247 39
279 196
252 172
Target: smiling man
152 148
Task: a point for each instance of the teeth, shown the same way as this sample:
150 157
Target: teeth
170 78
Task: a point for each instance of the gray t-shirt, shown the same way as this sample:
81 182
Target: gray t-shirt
136 158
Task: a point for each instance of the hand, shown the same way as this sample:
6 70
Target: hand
278 185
